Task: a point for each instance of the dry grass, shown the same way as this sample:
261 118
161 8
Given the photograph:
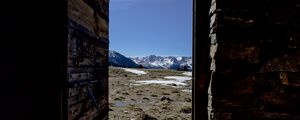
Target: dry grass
146 101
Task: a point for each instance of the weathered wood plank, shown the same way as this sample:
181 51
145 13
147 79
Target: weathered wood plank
82 13
79 90
86 69
86 51
87 59
76 111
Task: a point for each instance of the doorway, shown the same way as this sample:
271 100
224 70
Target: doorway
155 40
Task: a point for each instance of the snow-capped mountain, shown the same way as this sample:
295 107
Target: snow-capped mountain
152 61
119 60
169 62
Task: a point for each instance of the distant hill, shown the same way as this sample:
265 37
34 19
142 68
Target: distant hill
119 60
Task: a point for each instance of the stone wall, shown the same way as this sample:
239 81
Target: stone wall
257 60
87 59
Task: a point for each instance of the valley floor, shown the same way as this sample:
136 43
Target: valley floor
143 94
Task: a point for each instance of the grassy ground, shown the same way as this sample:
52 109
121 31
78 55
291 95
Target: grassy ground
144 102
152 73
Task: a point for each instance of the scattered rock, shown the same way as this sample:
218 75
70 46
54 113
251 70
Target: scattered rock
165 108
175 91
154 95
163 98
154 110
186 109
144 116
119 98
138 91
145 98
148 117
111 104
187 99
137 109
165 93
169 118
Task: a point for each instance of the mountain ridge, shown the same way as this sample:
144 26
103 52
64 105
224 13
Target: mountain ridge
151 61
119 60
167 62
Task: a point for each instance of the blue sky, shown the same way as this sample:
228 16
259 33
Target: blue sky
151 27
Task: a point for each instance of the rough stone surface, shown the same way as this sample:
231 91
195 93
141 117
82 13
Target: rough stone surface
258 60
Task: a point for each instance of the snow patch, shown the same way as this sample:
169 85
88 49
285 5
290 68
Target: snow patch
179 58
162 82
178 78
138 72
187 73
186 90
175 80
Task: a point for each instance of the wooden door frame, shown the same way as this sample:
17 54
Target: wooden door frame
201 61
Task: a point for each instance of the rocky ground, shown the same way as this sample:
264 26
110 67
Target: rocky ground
133 97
